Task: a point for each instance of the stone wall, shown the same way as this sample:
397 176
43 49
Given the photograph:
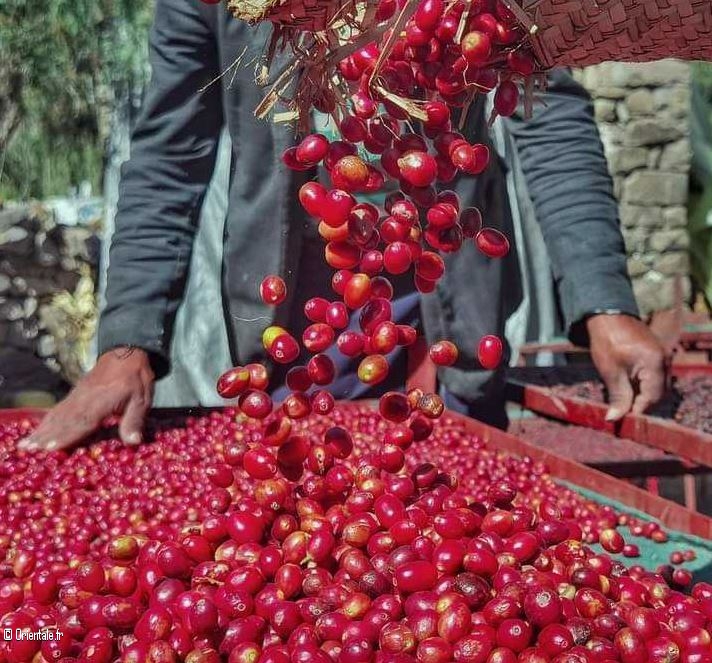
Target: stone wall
643 114
47 276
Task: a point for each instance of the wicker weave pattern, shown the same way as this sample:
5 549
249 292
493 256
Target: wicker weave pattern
569 32
306 15
578 33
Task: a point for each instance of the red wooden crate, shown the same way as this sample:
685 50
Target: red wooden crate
692 445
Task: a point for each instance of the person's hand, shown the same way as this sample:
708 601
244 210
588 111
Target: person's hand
630 360
120 384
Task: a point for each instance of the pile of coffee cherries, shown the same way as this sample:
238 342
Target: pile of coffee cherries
312 532
328 540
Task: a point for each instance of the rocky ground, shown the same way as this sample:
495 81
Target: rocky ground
47 276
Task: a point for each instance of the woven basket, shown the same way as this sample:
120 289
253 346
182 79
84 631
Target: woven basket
563 32
320 33
584 32
303 15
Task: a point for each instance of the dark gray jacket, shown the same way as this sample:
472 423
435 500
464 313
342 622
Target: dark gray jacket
172 159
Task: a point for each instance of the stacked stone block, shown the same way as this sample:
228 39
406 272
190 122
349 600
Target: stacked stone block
643 114
38 260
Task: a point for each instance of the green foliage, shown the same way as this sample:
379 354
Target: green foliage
702 73
700 205
74 58
38 165
702 76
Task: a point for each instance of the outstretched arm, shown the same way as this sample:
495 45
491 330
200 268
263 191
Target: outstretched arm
163 184
173 153
567 174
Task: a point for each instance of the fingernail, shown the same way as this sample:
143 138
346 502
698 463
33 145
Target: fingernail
133 438
51 445
26 444
613 415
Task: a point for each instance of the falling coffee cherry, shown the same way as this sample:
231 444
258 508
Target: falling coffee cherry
676 557
270 334
443 353
471 222
350 173
431 406
298 378
342 255
273 290
315 309
405 212
233 382
337 150
289 159
312 196
322 402
312 149
335 206
418 168
522 62
373 369
394 407
442 216
476 48
350 343
357 291
407 335
321 369
284 349
318 337
296 406
384 338
506 98
430 266
259 379
489 352
255 404
337 315
377 310
397 258
492 243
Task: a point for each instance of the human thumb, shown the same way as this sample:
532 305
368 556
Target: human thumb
132 421
620 394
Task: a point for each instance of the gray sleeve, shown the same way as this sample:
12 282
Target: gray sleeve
163 183
567 175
